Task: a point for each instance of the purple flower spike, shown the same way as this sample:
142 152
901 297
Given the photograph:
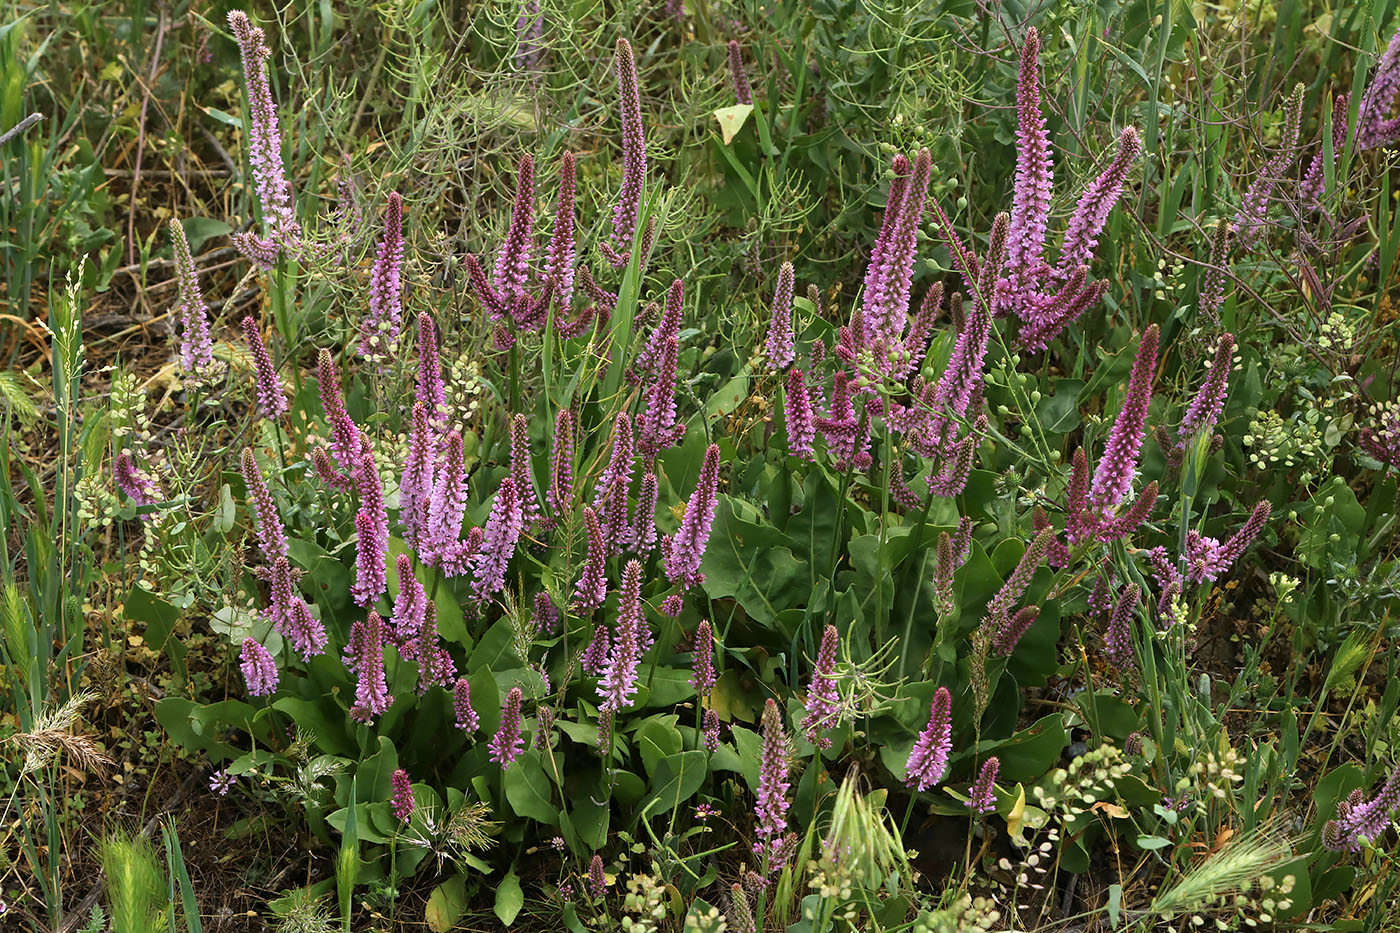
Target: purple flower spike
402 801
410 609
597 880
823 702
1030 205
467 719
618 682
512 271
592 586
1113 477
687 548
135 483
371 690
416 481
780 336
345 434
507 744
546 615
1359 818
743 93
272 400
196 347
619 463
379 330
291 616
272 537
710 726
561 258
561 465
1372 127
445 506
1082 234
1231 550
657 428
1118 638
773 804
702 677
928 759
529 30
498 541
982 798
797 408
667 328
1207 404
520 469
642 537
431 391
259 670
634 160
372 526
264 138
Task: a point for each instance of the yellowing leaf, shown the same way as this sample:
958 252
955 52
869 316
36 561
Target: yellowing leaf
732 120
1015 820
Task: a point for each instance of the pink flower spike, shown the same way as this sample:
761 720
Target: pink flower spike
1030 211
272 537
431 391
445 506
498 542
512 271
345 434
1207 403
372 528
780 328
1114 475
618 250
521 470
196 346
371 690
928 759
402 801
702 677
982 796
1118 638
797 407
379 329
592 587
772 806
560 257
823 701
467 719
1087 222
507 744
259 670
265 138
743 93
272 400
618 682
561 465
687 548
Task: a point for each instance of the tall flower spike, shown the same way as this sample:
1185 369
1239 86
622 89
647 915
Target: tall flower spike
743 93
619 463
196 347
445 506
431 391
592 586
416 481
135 483
880 270
981 798
634 160
710 727
772 806
498 541
345 434
687 548
823 701
618 683
657 428
1020 578
797 408
435 664
272 537
1254 205
410 609
264 138
467 719
1082 234
507 744
1231 550
560 258
889 281
668 327
928 759
520 469
1212 289
529 30
702 676
259 670
371 690
272 400
292 617
643 536
1372 128
1030 205
546 616
1310 190
561 465
402 800
1359 818
1207 404
372 527
1114 475
512 271
780 329
1007 634
379 330
1118 637
594 658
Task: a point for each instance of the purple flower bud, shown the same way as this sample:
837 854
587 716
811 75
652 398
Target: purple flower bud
982 797
379 329
272 401
346 439
592 586
772 806
1082 233
560 258
196 347
798 411
743 93
507 744
823 701
272 537
687 548
467 718
928 759
780 327
618 682
1030 210
259 670
702 677
561 465
135 483
634 160
372 528
371 691
1114 475
597 882
1118 638
402 801
710 728
264 138
672 605
1207 404
498 541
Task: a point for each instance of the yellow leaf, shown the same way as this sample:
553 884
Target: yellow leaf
732 119
1015 820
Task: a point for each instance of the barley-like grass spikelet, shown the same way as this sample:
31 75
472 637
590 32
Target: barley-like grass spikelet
1232 869
52 733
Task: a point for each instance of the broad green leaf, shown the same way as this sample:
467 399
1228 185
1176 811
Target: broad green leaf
529 790
446 904
509 898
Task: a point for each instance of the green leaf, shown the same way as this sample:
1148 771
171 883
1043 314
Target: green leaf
509 898
677 779
529 791
446 904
